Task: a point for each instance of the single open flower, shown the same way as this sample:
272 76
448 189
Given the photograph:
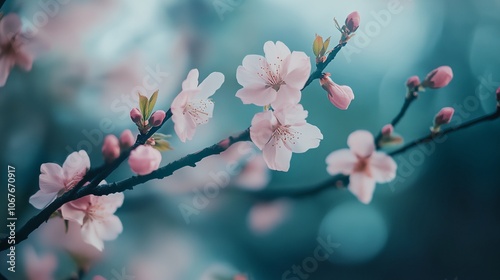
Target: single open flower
283 132
96 216
144 160
364 165
192 106
340 96
438 78
111 148
56 180
275 79
13 48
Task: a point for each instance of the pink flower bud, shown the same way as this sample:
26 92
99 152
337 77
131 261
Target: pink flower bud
98 277
438 78
144 160
127 139
111 148
135 115
444 116
413 82
240 277
157 118
387 130
340 96
352 21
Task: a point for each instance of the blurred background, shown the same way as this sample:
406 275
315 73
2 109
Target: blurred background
440 218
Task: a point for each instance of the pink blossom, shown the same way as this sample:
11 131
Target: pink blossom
127 139
363 164
264 217
56 180
340 96
96 216
281 132
192 106
438 78
413 82
387 130
98 277
111 148
275 79
13 49
254 175
144 160
39 267
157 118
135 115
352 21
54 234
444 116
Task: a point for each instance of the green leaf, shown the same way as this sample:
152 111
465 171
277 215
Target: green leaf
160 136
162 145
152 103
143 106
317 45
325 46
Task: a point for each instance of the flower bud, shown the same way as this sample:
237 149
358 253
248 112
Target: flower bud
127 139
387 130
444 116
340 96
352 21
240 277
135 115
111 148
413 82
438 78
157 118
144 160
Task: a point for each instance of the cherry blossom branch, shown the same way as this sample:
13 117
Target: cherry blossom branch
342 181
320 67
94 176
128 184
410 97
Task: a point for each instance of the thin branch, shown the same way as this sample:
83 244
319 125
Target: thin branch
340 181
410 97
320 67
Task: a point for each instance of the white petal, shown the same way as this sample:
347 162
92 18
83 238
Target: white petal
286 96
291 115
212 83
200 110
51 178
262 128
258 96
362 186
191 82
341 161
276 53
76 165
41 199
361 143
109 228
248 77
89 236
299 69
303 137
277 155
382 167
